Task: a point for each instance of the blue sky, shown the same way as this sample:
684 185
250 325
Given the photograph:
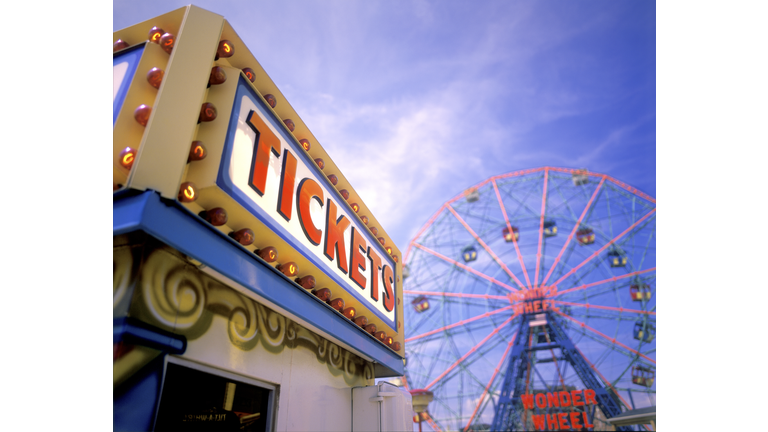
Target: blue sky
463 65
437 96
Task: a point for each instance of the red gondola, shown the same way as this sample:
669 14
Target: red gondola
641 291
643 375
514 234
420 304
585 236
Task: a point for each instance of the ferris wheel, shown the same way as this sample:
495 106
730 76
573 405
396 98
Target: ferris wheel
533 282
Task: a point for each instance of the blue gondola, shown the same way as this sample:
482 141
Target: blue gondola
645 334
617 259
550 228
469 253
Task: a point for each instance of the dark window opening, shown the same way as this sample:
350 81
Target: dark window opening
193 400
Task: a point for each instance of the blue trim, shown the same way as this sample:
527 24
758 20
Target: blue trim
132 55
225 183
135 400
175 226
140 333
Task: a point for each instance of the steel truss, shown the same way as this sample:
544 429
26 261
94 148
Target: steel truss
510 414
474 348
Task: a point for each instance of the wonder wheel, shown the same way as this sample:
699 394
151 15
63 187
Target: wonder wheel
536 281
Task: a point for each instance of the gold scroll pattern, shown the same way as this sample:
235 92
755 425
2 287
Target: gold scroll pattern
174 295
122 267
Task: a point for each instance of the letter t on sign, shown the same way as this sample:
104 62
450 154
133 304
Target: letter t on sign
265 142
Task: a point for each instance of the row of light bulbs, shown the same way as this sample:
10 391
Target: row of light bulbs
246 237
218 216
208 110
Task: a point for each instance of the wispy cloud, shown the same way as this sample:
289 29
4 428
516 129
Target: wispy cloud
415 104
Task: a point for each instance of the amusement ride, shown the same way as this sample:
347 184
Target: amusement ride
541 281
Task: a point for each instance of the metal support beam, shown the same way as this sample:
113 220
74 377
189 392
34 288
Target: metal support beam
509 409
542 347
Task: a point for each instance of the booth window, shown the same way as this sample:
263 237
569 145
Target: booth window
197 398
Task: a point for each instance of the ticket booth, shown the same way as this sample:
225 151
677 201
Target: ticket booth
242 272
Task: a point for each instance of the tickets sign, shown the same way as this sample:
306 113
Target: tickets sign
271 175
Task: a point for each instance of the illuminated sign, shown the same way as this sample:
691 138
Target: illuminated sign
535 300
124 67
272 176
562 420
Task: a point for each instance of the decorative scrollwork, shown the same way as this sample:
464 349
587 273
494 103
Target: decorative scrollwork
178 297
122 271
174 296
243 326
335 356
274 327
322 350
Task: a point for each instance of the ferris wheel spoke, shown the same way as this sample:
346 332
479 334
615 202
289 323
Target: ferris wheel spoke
617 182
521 203
631 189
466 365
610 219
421 231
607 316
564 205
454 345
514 238
467 268
464 267
619 309
470 352
454 325
607 245
651 236
632 235
460 295
490 382
613 279
624 243
487 249
624 372
477 186
541 226
613 340
606 343
573 231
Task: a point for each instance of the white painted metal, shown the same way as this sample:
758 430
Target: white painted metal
381 408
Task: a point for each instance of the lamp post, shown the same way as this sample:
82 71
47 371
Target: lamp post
420 400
